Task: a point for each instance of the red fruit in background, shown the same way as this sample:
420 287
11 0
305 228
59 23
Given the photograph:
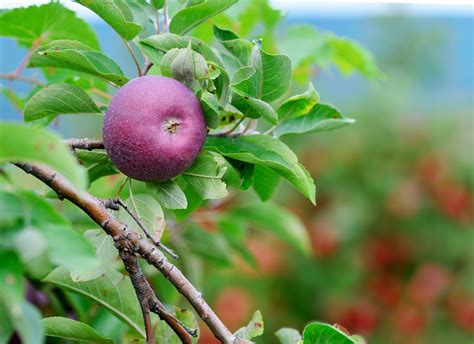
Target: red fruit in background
324 239
386 289
268 253
388 251
432 169
361 317
455 201
234 306
461 310
404 200
427 284
410 320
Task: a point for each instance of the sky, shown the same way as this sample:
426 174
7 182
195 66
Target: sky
323 8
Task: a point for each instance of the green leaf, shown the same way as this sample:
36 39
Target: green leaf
253 107
197 13
117 14
104 247
279 221
69 329
273 73
164 42
325 334
288 336
59 99
253 329
210 107
269 152
205 177
169 194
98 164
245 81
245 88
149 211
28 144
12 283
44 24
265 182
77 56
299 104
79 258
322 117
112 291
238 47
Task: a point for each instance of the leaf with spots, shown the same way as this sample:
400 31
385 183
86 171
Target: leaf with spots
59 99
149 211
253 329
35 145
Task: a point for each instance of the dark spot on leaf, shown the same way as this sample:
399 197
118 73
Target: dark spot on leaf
258 325
45 54
334 116
183 310
232 118
37 146
246 97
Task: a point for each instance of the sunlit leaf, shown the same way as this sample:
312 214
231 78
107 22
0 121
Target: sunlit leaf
198 12
322 117
45 23
117 14
324 334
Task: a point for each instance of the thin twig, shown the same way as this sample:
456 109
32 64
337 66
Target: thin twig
12 76
130 50
145 231
158 22
36 43
166 25
97 212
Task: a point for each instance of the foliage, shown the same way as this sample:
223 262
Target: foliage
65 264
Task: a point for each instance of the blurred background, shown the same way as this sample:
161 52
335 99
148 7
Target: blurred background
392 233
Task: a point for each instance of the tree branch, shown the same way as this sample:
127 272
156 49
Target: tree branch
149 302
84 144
13 76
133 242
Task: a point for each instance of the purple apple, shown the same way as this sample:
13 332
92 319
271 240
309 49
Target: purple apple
154 128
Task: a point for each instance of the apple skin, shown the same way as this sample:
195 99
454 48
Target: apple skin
154 128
